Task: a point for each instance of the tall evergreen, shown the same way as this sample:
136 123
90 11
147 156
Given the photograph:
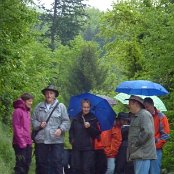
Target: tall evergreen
65 21
87 72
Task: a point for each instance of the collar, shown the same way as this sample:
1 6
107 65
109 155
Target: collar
43 104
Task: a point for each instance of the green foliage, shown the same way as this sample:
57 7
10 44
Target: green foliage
140 46
7 155
87 72
13 37
65 21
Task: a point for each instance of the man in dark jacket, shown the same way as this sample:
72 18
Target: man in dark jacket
82 132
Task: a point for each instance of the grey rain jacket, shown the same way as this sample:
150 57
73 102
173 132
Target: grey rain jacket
59 119
141 141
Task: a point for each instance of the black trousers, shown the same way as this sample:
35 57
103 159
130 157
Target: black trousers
122 165
83 162
23 159
67 161
100 162
49 158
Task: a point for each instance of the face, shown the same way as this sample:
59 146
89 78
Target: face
50 96
85 108
124 122
29 103
132 106
149 107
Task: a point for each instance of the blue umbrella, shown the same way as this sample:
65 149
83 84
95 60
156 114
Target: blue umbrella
141 87
99 107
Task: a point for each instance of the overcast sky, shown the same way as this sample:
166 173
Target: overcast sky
100 4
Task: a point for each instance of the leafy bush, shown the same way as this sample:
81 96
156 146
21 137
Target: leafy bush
7 155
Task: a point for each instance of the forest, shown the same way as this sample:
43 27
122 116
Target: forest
80 49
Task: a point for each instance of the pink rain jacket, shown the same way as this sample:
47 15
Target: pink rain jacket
21 124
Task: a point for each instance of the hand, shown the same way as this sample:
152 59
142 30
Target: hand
43 124
87 124
58 132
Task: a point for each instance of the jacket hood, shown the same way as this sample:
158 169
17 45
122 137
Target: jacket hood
19 103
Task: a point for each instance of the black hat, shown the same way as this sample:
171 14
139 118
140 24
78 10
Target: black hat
123 116
50 88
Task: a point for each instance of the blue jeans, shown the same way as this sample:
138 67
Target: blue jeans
49 158
142 166
155 165
110 166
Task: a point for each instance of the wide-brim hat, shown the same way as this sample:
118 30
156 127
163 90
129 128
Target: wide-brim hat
50 88
136 98
123 116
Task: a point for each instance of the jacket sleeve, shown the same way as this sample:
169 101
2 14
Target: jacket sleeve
65 125
146 129
114 142
71 133
17 123
93 129
35 122
164 132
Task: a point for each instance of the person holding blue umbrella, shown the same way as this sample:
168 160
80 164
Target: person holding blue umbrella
162 131
82 133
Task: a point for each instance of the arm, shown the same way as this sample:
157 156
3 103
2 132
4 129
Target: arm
17 123
93 129
146 129
114 139
164 132
71 132
35 123
65 125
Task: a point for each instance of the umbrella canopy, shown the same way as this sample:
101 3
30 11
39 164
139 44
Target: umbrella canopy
141 87
99 107
157 101
110 100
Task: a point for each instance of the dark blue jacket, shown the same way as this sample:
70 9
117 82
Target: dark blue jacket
81 138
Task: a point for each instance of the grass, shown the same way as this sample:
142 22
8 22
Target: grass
7 157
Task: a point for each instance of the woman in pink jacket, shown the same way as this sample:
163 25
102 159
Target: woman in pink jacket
22 142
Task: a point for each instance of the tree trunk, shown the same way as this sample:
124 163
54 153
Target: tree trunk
53 28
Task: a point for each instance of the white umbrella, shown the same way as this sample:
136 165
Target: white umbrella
157 101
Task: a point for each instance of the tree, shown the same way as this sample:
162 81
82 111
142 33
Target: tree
65 20
140 46
86 72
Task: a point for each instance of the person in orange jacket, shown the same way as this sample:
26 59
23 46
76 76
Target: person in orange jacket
112 144
162 131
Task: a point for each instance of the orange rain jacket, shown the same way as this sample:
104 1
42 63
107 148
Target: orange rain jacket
162 129
99 143
112 141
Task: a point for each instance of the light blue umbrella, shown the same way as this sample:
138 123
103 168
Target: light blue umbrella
157 101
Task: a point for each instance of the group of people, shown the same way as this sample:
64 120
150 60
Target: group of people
133 145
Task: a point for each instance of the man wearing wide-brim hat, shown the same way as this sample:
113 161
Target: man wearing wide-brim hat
49 140
141 142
